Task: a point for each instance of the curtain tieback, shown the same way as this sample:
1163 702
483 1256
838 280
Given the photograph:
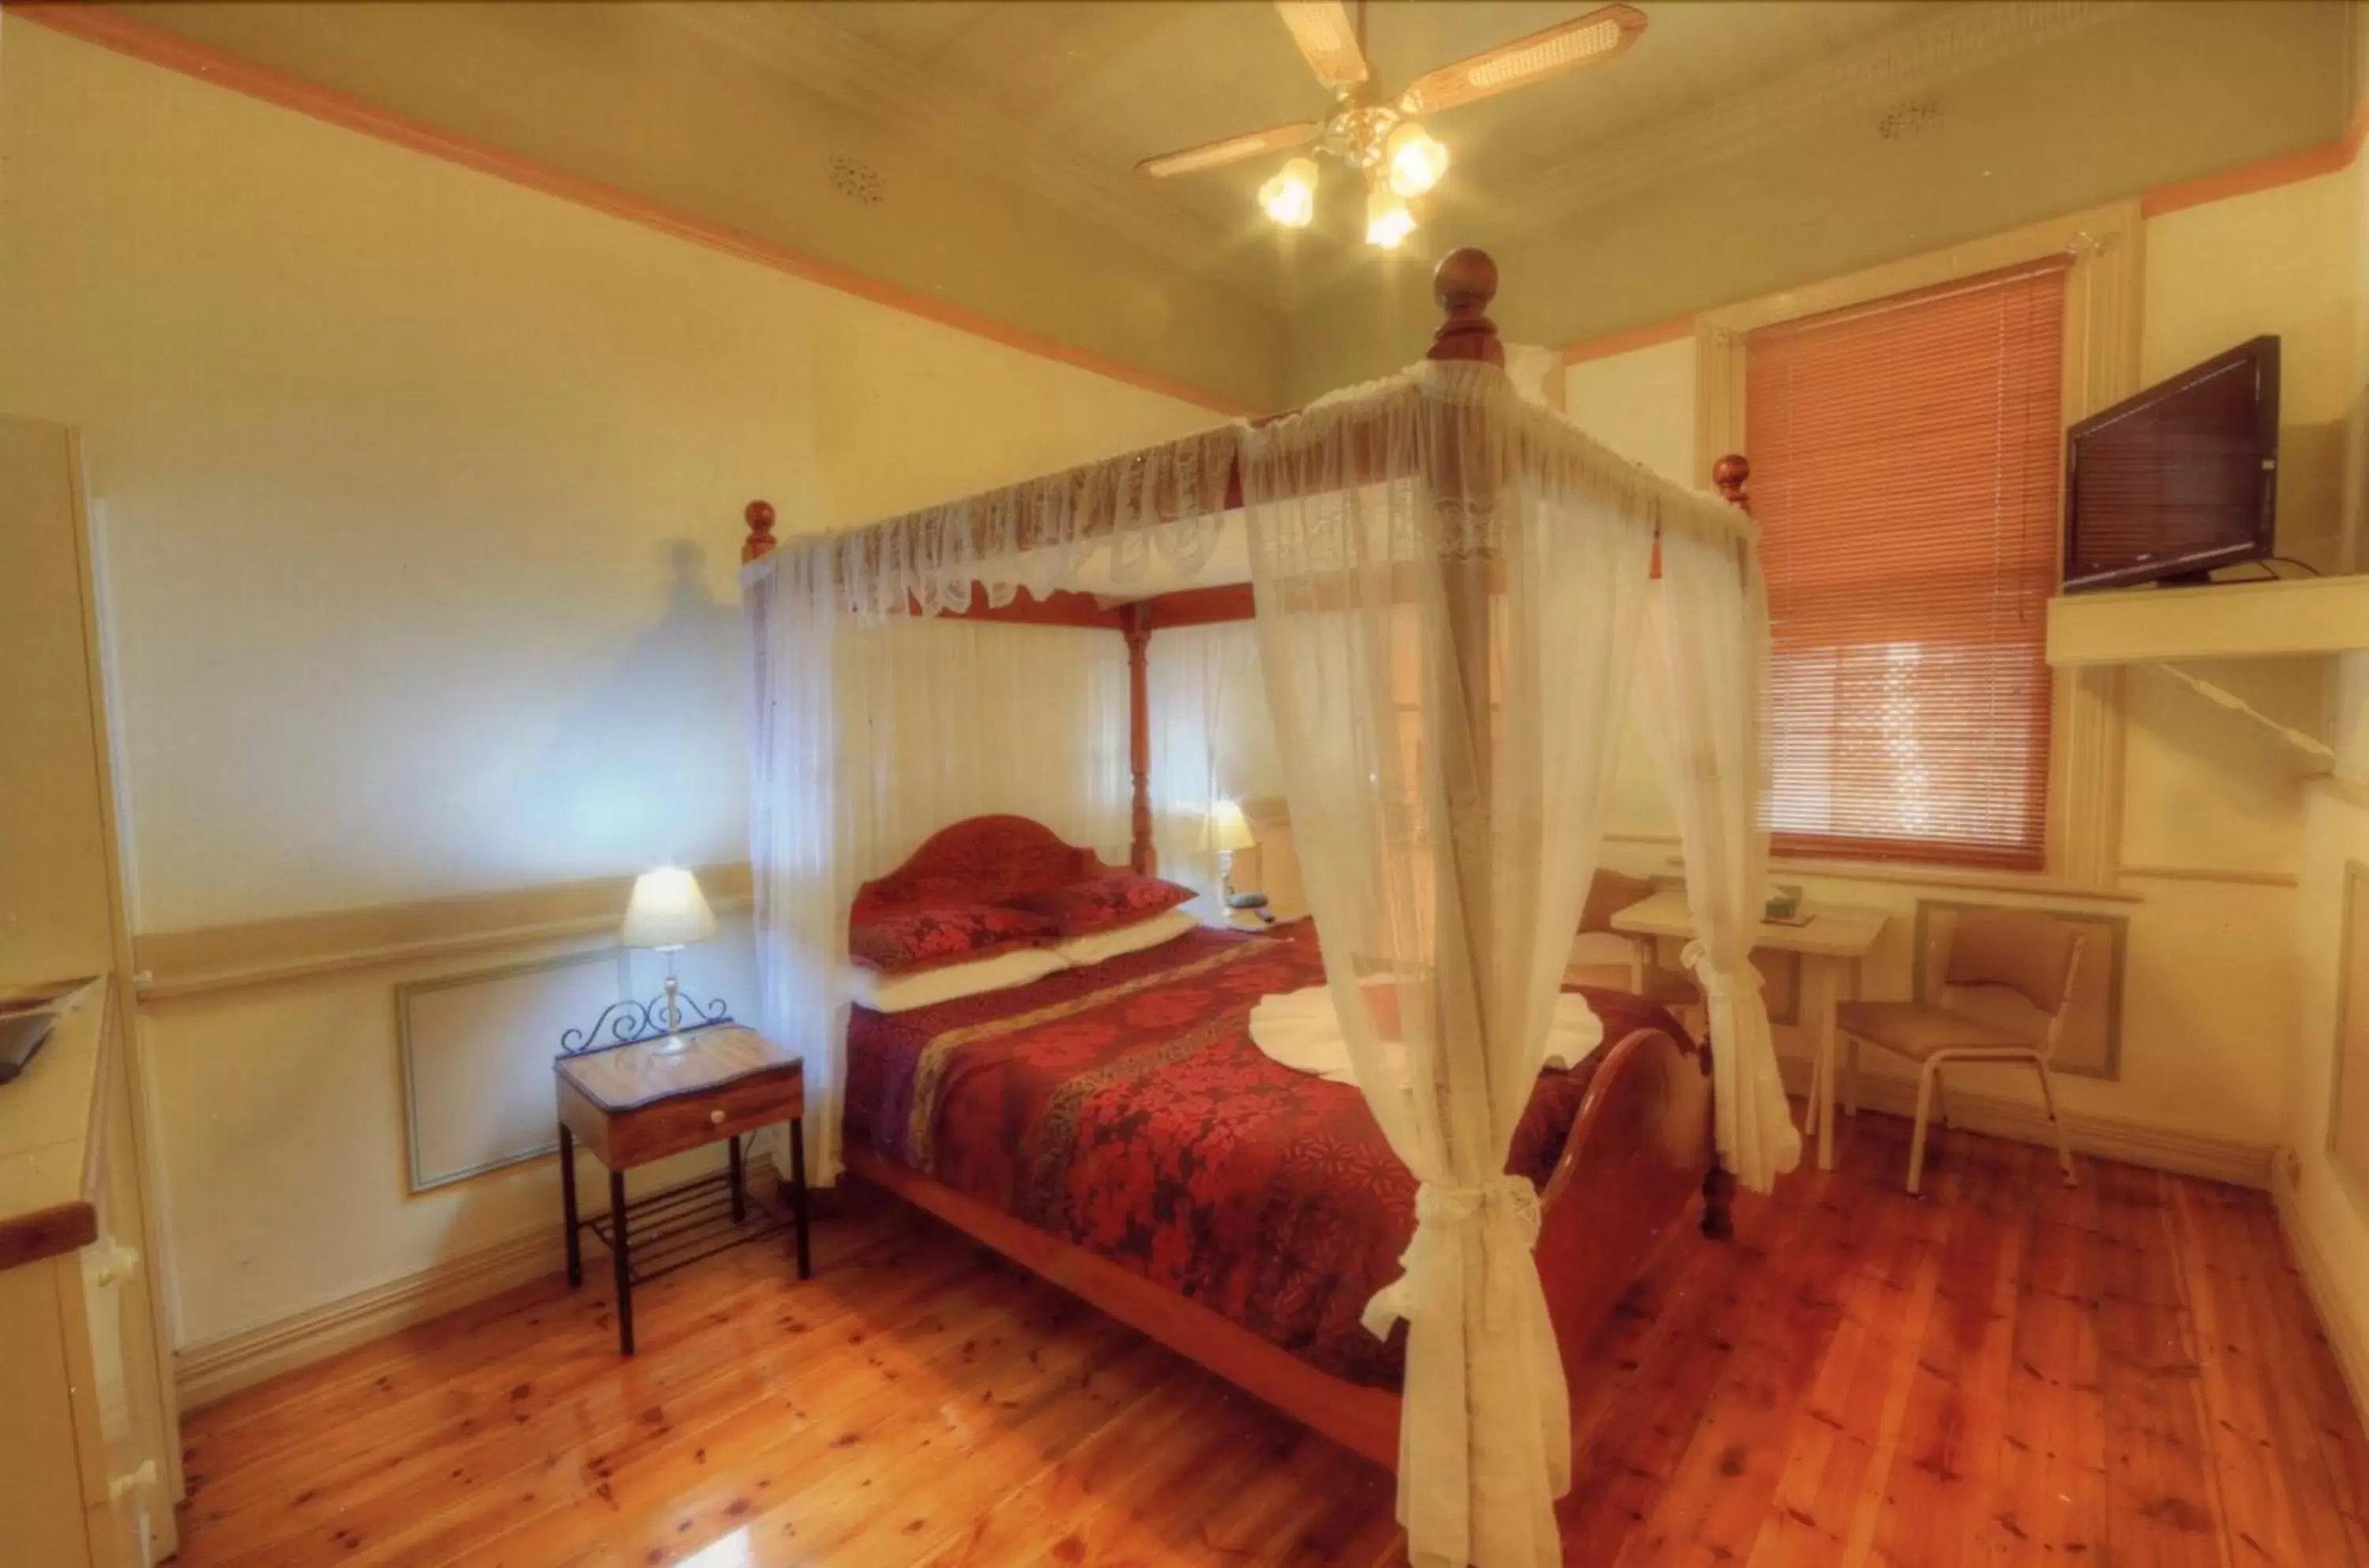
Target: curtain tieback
1505 1207
1719 983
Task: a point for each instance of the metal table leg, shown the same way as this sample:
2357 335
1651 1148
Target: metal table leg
624 1267
798 1189
567 1205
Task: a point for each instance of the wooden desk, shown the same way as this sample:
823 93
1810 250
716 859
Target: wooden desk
1831 944
635 1103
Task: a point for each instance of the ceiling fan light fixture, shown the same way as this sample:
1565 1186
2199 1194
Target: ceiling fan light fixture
1416 159
1289 198
1387 220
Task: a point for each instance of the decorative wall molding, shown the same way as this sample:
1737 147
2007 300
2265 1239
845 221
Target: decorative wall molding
2108 1138
1858 81
2344 1317
228 957
2244 876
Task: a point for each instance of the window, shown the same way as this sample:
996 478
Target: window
1905 473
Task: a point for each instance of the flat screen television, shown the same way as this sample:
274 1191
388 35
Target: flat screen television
2182 478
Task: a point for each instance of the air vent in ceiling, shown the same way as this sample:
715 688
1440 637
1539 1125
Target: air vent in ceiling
1912 119
856 180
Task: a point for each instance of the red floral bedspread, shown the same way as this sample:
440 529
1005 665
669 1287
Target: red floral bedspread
1124 1109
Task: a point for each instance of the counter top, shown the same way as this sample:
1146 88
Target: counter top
49 1135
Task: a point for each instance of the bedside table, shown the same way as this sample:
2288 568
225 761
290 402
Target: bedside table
635 1103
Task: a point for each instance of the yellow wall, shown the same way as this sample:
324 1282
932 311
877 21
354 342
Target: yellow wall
634 97
2209 987
421 493
419 496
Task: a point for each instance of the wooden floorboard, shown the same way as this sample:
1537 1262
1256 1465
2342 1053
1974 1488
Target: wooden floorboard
2004 1372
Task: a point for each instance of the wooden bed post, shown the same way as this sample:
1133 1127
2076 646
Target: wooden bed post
758 515
1732 474
1140 857
1464 283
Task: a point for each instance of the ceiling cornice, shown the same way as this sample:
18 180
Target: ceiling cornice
1869 77
799 44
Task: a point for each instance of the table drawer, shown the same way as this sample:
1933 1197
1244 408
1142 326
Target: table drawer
625 1138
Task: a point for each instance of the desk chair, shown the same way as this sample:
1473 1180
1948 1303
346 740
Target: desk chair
2025 951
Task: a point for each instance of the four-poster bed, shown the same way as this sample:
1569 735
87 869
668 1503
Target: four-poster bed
1448 588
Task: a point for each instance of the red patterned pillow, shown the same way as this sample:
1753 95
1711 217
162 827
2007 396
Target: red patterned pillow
1102 904
953 934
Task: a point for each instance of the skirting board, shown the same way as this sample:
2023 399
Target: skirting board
204 1373
2341 1319
2108 1138
220 1368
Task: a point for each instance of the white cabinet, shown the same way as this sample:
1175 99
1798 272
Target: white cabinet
89 1440
84 1432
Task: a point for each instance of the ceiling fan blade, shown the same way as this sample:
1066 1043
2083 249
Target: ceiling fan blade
1233 149
1329 40
1584 40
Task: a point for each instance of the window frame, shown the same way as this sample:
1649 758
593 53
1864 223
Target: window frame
2099 363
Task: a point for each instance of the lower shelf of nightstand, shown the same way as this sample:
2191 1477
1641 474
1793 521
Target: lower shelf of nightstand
680 1226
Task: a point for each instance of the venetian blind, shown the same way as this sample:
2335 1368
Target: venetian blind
1905 473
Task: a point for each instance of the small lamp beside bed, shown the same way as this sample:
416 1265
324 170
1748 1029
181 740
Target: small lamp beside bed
667 913
1228 830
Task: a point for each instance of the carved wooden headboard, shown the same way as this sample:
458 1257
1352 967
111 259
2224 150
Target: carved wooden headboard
979 860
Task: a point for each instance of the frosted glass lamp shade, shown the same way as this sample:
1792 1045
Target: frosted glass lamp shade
1229 829
667 910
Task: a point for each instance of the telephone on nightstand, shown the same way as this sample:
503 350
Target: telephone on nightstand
1249 904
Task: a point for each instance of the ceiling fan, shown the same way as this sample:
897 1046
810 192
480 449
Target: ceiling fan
1378 136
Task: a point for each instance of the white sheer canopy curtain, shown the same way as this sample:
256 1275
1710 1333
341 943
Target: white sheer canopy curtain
876 723
1707 674
1212 740
1450 584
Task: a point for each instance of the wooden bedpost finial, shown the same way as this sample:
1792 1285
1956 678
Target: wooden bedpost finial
760 518
1464 283
1731 474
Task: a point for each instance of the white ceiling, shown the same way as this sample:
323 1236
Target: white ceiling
1116 81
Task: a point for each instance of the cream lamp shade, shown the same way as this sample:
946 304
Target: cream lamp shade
665 911
1229 829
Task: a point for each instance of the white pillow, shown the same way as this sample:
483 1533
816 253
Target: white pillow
1097 945
902 994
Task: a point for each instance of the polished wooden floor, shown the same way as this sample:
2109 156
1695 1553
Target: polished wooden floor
2004 1372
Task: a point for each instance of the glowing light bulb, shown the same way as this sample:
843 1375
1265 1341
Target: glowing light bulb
1416 159
1290 197
1387 222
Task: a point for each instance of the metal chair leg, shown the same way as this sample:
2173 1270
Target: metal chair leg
2055 1122
1925 1080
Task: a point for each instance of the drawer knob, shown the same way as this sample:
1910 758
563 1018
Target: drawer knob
121 1263
139 1479
715 1118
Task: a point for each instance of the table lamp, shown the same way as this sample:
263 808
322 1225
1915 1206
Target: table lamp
1227 831
667 912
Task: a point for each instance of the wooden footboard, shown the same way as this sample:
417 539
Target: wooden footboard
1639 1149
1637 1152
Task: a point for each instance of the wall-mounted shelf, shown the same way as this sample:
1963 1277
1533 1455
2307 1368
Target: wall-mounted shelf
2239 619
2294 618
